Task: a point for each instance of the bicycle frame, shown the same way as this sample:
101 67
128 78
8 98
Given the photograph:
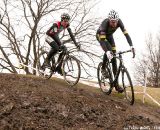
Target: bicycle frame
121 65
65 53
59 60
109 82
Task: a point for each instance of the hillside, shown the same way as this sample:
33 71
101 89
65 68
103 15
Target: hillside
32 103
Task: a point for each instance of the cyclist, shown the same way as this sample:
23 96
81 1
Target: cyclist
52 38
105 37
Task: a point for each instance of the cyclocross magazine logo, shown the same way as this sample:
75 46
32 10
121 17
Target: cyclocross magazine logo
133 127
62 0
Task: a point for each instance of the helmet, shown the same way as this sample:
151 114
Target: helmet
113 15
65 16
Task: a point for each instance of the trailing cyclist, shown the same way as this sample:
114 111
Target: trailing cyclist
52 38
105 37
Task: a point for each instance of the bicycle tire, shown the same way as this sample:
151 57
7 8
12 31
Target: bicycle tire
128 86
72 80
104 83
40 63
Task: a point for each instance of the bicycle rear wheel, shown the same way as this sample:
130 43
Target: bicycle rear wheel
104 83
128 86
71 70
44 71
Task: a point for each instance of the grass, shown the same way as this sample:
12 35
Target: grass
154 92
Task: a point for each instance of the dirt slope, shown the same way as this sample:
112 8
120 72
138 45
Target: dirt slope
32 103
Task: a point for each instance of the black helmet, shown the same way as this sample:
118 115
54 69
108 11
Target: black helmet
65 16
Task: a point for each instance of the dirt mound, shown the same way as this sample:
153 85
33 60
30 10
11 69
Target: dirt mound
32 103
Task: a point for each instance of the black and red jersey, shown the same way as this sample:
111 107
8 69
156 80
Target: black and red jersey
56 28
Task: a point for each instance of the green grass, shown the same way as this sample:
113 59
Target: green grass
154 92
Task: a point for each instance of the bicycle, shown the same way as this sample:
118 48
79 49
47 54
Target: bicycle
107 83
70 65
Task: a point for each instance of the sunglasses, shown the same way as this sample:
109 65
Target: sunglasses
113 21
66 20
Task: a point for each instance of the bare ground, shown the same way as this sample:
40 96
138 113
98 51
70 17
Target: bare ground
32 103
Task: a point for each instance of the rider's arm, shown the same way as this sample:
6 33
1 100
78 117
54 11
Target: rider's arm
101 35
53 33
53 29
121 25
102 31
72 36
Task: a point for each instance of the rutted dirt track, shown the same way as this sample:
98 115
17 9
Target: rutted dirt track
32 103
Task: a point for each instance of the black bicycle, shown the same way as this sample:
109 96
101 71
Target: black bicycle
70 65
107 83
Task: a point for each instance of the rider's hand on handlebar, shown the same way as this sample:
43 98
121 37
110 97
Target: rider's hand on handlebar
61 47
109 55
133 51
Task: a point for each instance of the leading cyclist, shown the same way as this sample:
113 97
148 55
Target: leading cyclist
105 37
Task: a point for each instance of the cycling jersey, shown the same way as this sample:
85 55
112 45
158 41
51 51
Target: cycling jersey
56 29
105 31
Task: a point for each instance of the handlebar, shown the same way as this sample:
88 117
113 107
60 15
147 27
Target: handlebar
122 52
118 54
64 48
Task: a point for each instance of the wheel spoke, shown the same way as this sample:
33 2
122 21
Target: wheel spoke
104 83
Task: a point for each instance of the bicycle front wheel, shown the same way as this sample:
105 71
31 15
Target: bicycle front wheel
128 86
104 82
43 71
71 70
